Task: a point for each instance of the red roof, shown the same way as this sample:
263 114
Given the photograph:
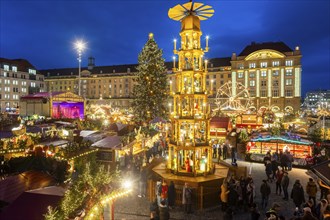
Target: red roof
13 186
220 122
30 205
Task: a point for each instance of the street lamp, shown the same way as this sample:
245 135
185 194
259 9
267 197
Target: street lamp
79 46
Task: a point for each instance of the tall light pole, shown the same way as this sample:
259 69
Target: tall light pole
79 46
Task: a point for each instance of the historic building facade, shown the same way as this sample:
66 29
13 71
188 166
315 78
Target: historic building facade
270 71
18 77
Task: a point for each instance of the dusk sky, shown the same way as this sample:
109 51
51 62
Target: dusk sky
43 32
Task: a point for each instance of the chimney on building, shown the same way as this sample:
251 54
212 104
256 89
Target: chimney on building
233 56
296 51
91 63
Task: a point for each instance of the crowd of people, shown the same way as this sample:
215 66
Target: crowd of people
237 194
165 200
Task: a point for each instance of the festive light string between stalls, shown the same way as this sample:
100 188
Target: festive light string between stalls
95 210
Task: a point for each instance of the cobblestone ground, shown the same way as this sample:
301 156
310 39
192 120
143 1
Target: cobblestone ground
135 208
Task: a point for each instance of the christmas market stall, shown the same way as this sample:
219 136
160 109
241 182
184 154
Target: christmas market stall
301 149
111 151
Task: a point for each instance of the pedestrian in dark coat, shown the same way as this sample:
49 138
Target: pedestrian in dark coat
224 151
274 168
279 176
171 195
187 198
285 184
232 197
284 162
163 211
297 194
268 170
265 192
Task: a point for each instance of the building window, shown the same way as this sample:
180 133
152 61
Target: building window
221 76
276 63
240 66
263 83
229 75
288 82
221 82
275 83
288 72
252 65
288 63
240 75
33 84
14 68
252 74
32 71
275 72
275 93
252 83
288 93
263 64
263 93
6 67
252 93
263 73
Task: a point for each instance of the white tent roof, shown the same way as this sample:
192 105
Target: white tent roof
111 142
85 133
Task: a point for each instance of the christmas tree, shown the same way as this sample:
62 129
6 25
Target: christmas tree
150 90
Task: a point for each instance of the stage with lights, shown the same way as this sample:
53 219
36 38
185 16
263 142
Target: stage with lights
53 104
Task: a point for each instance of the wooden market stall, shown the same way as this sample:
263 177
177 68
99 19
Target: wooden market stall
299 148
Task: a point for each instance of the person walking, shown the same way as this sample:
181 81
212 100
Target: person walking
265 192
268 170
164 214
311 190
279 176
297 194
285 185
274 165
224 195
158 191
187 198
171 195
290 160
142 182
233 156
284 161
219 152
164 193
232 197
224 151
251 192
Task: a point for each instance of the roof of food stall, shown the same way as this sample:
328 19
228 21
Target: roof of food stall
111 142
283 139
86 133
59 142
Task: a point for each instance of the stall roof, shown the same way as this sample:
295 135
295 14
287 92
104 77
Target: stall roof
282 139
111 142
86 133
322 170
33 203
55 143
97 136
13 186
